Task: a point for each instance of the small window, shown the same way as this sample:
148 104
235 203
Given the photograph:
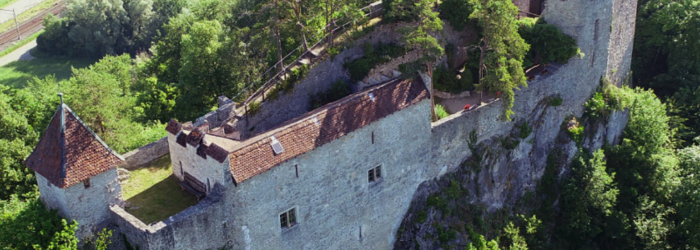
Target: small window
288 219
374 174
86 183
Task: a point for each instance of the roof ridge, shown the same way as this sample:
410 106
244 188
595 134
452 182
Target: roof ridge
94 135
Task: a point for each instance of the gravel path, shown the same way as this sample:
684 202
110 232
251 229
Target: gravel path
21 53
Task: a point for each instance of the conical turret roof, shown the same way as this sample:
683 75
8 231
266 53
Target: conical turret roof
69 152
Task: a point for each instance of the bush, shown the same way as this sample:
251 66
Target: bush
457 12
440 111
574 129
446 80
28 225
525 130
547 41
597 107
254 108
383 53
555 101
509 143
339 90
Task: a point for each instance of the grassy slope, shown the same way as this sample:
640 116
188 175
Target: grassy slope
17 73
154 192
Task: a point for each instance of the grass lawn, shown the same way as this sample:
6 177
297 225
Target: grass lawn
17 73
154 192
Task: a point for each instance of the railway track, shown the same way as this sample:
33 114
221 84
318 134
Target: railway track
29 27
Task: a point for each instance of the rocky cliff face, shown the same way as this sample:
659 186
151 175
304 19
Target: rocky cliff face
488 164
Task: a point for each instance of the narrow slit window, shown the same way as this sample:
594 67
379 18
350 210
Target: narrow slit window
374 174
288 219
86 183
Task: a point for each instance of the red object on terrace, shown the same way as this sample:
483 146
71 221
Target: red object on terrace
466 107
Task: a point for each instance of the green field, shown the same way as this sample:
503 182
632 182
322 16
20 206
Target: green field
17 73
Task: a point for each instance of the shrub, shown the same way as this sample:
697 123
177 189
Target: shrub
339 90
574 129
457 12
447 81
509 143
597 107
440 111
359 68
555 101
525 130
333 52
254 108
422 216
547 41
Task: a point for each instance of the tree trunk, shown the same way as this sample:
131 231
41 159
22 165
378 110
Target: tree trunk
297 13
280 64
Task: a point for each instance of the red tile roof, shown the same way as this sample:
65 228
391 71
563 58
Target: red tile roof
323 125
69 152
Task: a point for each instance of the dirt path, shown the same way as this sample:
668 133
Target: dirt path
21 53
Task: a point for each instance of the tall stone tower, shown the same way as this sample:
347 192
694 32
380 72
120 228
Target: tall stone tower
76 171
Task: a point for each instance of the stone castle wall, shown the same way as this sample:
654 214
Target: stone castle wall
90 206
143 155
336 206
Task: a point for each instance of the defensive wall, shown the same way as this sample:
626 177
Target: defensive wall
336 206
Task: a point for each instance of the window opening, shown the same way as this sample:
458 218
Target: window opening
86 183
288 219
374 174
296 170
208 185
595 32
372 137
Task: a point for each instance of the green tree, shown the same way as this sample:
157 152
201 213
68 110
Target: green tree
588 198
687 199
28 225
502 50
100 27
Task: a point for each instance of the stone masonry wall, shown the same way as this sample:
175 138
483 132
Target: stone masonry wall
336 207
185 159
52 196
202 226
621 40
320 78
140 156
90 206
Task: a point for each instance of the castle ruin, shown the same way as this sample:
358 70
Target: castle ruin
341 176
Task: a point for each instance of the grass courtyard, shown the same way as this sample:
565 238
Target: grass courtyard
154 194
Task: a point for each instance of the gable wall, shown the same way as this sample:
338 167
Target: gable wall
187 160
90 206
336 206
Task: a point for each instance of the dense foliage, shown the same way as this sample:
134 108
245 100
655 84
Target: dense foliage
502 50
28 225
666 52
547 43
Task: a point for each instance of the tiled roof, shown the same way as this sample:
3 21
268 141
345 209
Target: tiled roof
323 125
69 152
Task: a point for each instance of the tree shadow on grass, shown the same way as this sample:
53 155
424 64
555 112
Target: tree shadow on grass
160 201
42 67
